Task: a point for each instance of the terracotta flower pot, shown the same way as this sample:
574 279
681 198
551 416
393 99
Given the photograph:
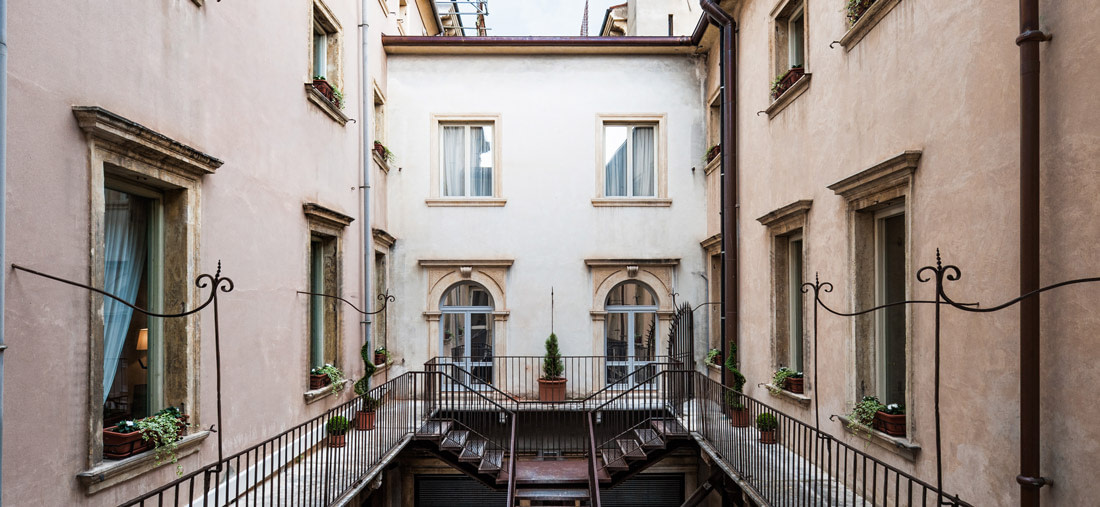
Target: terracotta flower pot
379 358
123 445
713 152
364 421
322 86
793 385
889 424
739 418
552 389
337 440
317 381
767 437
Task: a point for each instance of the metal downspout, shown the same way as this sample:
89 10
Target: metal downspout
3 212
367 145
1030 478
730 278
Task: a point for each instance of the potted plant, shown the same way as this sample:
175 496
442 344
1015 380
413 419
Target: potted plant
890 419
856 8
364 417
383 152
337 428
863 414
552 383
338 98
327 375
735 406
164 430
123 440
380 355
767 424
321 84
784 81
713 152
788 379
713 357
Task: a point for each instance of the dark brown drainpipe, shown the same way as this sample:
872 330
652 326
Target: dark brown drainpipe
730 278
1030 478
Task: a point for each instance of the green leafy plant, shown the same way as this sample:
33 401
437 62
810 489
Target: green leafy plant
335 376
337 425
552 366
338 97
362 386
163 429
766 422
387 155
734 400
319 78
779 379
712 357
894 409
382 350
711 152
733 396
370 403
126 427
859 419
775 84
855 9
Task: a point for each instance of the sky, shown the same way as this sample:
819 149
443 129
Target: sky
545 17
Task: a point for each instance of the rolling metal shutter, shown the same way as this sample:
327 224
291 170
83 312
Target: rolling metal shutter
455 491
646 490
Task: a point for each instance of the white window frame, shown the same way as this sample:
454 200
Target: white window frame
467 159
435 195
630 158
632 363
798 16
660 160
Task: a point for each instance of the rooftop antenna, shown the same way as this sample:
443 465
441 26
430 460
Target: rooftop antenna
551 309
584 33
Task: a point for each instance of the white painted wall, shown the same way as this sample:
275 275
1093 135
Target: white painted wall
548 106
650 17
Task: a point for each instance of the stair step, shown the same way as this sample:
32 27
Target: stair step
491 462
631 448
669 428
613 459
472 451
454 440
552 494
649 438
433 429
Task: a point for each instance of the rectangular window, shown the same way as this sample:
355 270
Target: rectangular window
795 300
466 159
796 39
323 319
890 325
630 160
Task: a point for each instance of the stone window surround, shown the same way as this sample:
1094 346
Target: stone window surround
712 247
661 199
435 192
881 186
657 274
325 223
322 16
779 14
129 151
782 224
445 273
869 20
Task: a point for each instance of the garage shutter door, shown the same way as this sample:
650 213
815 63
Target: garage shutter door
455 491
646 490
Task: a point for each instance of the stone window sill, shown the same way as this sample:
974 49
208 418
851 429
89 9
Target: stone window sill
713 164
870 18
110 473
898 445
316 395
379 368
796 90
482 202
382 164
322 102
801 399
640 202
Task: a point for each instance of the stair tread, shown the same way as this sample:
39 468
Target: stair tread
433 429
669 428
552 493
454 440
491 462
631 448
613 459
473 450
649 438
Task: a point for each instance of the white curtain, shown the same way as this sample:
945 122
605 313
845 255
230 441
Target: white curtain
454 153
481 161
614 161
643 161
124 259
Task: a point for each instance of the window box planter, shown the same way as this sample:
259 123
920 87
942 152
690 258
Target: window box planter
889 424
322 86
789 79
123 445
713 152
318 380
856 9
379 149
794 385
379 358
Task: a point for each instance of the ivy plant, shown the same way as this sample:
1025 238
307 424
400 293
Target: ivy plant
859 419
712 357
335 376
163 429
779 380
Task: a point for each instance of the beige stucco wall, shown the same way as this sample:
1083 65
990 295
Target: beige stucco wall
548 108
939 77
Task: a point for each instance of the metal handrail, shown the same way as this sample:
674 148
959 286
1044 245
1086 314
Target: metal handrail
593 472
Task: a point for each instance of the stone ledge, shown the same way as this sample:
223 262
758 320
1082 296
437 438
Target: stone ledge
110 473
713 164
482 202
318 99
627 202
796 90
316 395
801 399
870 18
898 445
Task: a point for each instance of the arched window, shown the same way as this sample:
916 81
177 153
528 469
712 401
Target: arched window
466 333
631 330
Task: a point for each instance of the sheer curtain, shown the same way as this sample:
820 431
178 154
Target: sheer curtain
481 161
643 161
454 153
614 161
124 260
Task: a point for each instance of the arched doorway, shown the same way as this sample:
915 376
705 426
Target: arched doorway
630 331
466 331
